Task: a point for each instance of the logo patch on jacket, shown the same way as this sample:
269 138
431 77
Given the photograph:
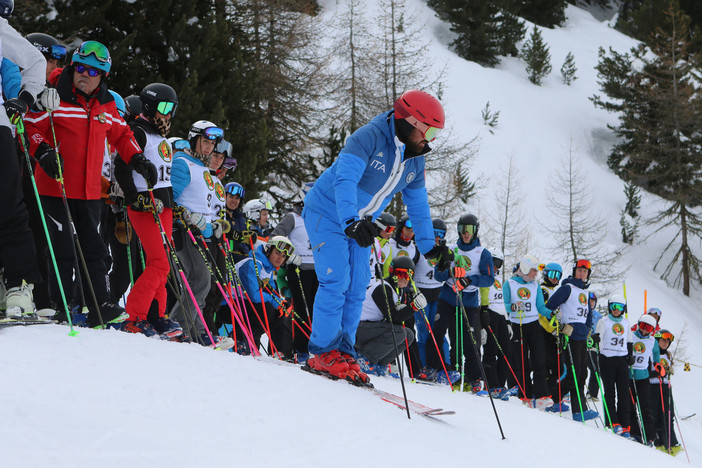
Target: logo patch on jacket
410 177
219 190
582 298
208 179
102 117
377 164
639 347
164 150
618 329
523 293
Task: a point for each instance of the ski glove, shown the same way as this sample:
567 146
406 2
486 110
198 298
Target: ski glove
17 107
49 161
48 100
459 272
243 236
461 284
419 302
196 220
483 337
510 332
143 203
145 168
362 231
440 256
294 260
220 226
567 329
595 338
115 191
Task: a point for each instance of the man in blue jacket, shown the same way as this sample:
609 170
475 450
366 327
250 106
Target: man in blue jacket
380 159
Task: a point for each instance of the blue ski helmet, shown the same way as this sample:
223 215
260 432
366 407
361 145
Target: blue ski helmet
94 54
119 101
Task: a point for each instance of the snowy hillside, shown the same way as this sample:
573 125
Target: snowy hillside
109 399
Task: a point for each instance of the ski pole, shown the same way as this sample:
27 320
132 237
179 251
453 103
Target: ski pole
21 132
506 359
263 302
464 314
599 382
637 403
575 379
660 385
376 254
77 250
682 439
431 333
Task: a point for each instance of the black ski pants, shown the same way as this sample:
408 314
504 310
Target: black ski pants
528 347
614 373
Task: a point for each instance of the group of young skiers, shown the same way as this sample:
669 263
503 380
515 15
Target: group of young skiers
98 202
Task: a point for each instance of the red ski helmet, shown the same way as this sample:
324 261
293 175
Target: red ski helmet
422 110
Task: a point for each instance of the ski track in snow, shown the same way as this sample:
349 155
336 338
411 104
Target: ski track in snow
110 399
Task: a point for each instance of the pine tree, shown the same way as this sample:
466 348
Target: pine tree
511 31
629 219
537 57
660 113
568 69
546 13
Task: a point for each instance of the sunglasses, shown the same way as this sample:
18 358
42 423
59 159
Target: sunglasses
554 274
80 68
95 48
233 189
666 336
402 273
213 133
284 247
583 264
467 228
429 133
646 327
617 306
439 233
165 107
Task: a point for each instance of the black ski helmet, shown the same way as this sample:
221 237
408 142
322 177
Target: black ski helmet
438 223
49 46
401 261
385 220
155 93
6 8
402 222
468 220
133 105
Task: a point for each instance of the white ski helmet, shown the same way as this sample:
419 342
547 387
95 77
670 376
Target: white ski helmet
281 243
616 299
497 258
252 208
649 321
206 128
528 262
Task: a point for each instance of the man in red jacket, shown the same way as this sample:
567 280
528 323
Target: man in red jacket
86 118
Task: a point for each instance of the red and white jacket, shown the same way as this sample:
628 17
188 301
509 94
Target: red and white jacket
82 126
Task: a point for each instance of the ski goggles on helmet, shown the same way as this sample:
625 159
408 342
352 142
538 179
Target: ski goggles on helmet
497 262
80 68
654 311
583 264
55 51
666 335
389 229
428 133
180 145
284 247
94 48
440 233
554 275
408 224
402 273
646 327
234 189
229 163
165 107
213 133
617 306
467 228
224 147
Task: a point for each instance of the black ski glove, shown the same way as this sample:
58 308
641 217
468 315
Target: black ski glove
440 256
630 359
143 203
49 161
17 107
595 338
145 168
362 231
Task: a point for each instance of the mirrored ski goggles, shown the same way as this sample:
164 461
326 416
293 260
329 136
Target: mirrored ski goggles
469 228
408 224
583 264
80 68
56 51
180 145
234 189
213 133
389 229
224 147
497 262
165 107
654 311
646 327
617 306
440 233
95 48
429 133
666 336
554 274
403 273
284 247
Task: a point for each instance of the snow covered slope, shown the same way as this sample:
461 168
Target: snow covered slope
110 399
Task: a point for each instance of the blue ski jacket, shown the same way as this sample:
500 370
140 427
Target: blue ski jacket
370 169
249 279
484 279
540 303
180 178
